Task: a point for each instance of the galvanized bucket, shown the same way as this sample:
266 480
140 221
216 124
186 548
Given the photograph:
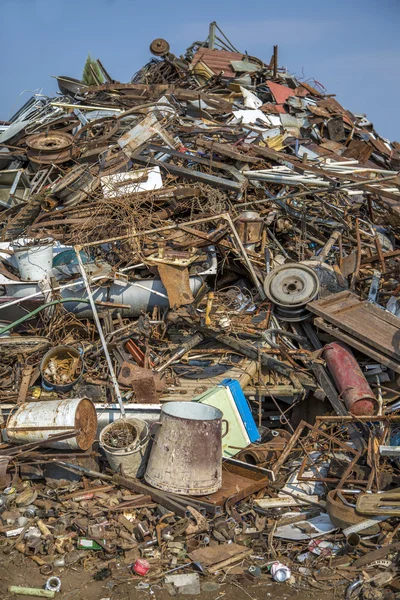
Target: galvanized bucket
37 421
130 458
186 455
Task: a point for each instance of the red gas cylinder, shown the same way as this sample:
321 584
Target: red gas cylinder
353 388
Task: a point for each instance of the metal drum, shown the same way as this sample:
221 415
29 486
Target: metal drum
186 456
38 421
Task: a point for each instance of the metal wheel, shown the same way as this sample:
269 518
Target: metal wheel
291 285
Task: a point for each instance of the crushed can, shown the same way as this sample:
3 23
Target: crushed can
141 567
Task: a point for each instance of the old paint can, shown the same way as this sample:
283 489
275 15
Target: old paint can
50 368
353 387
141 567
37 421
186 431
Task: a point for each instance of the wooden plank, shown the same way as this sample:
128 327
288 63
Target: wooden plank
212 555
363 320
351 341
375 257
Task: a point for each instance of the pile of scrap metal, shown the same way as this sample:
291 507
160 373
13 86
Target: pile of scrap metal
199 312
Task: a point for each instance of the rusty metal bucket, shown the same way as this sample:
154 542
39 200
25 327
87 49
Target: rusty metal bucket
186 456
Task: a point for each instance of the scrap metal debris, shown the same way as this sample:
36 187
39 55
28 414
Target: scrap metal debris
203 264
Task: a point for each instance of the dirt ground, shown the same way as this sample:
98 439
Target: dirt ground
78 584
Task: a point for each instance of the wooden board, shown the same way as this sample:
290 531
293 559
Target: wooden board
210 555
361 320
360 346
237 483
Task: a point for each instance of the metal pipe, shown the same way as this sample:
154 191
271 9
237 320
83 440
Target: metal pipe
38 310
45 291
100 331
352 587
60 287
275 66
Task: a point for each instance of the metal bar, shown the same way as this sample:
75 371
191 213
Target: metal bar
219 182
275 66
214 509
32 445
100 331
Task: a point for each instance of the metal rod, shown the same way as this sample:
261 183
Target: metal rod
275 66
100 331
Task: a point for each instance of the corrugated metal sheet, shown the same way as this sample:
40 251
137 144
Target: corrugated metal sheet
276 143
217 60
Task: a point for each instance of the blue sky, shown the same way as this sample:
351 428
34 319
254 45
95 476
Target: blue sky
351 46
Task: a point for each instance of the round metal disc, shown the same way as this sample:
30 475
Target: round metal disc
49 142
291 285
159 47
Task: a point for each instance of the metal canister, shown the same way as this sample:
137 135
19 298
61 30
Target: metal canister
51 358
37 421
30 511
350 381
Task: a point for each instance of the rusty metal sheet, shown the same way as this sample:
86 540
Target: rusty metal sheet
211 555
362 320
359 150
280 92
380 146
331 105
336 129
350 341
272 109
141 380
176 281
217 60
319 111
237 483
332 147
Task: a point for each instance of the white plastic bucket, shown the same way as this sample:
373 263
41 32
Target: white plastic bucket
34 262
37 421
132 457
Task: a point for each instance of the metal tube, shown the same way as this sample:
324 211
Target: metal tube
100 331
38 310
275 67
